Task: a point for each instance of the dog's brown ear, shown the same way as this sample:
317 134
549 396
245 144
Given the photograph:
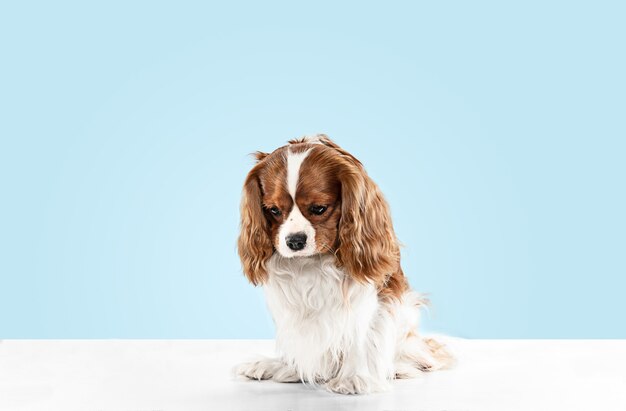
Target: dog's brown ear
368 248
254 244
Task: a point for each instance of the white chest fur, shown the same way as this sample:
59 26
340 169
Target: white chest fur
319 312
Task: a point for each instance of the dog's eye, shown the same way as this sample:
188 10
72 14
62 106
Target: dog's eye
275 211
317 209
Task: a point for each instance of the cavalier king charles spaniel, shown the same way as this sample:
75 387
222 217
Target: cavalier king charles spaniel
316 233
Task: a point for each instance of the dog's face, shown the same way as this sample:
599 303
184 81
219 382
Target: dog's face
312 197
301 200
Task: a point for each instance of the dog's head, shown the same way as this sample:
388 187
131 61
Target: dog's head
312 197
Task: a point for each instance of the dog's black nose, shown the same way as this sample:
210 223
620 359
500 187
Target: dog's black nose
296 241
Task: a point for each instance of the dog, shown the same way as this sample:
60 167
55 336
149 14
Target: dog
316 233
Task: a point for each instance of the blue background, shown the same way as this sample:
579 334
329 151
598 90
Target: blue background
496 132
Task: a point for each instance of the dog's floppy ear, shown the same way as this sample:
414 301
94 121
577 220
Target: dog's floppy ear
368 248
254 244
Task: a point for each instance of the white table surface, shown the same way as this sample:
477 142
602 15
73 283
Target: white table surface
163 375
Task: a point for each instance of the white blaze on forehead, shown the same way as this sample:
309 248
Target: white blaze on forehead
295 221
294 162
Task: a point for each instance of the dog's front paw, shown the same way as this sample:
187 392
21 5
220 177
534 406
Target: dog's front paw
356 384
263 369
267 368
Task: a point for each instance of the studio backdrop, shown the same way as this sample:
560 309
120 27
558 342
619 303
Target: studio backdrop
496 133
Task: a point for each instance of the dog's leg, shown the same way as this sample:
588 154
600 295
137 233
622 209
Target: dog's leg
354 376
368 365
266 369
